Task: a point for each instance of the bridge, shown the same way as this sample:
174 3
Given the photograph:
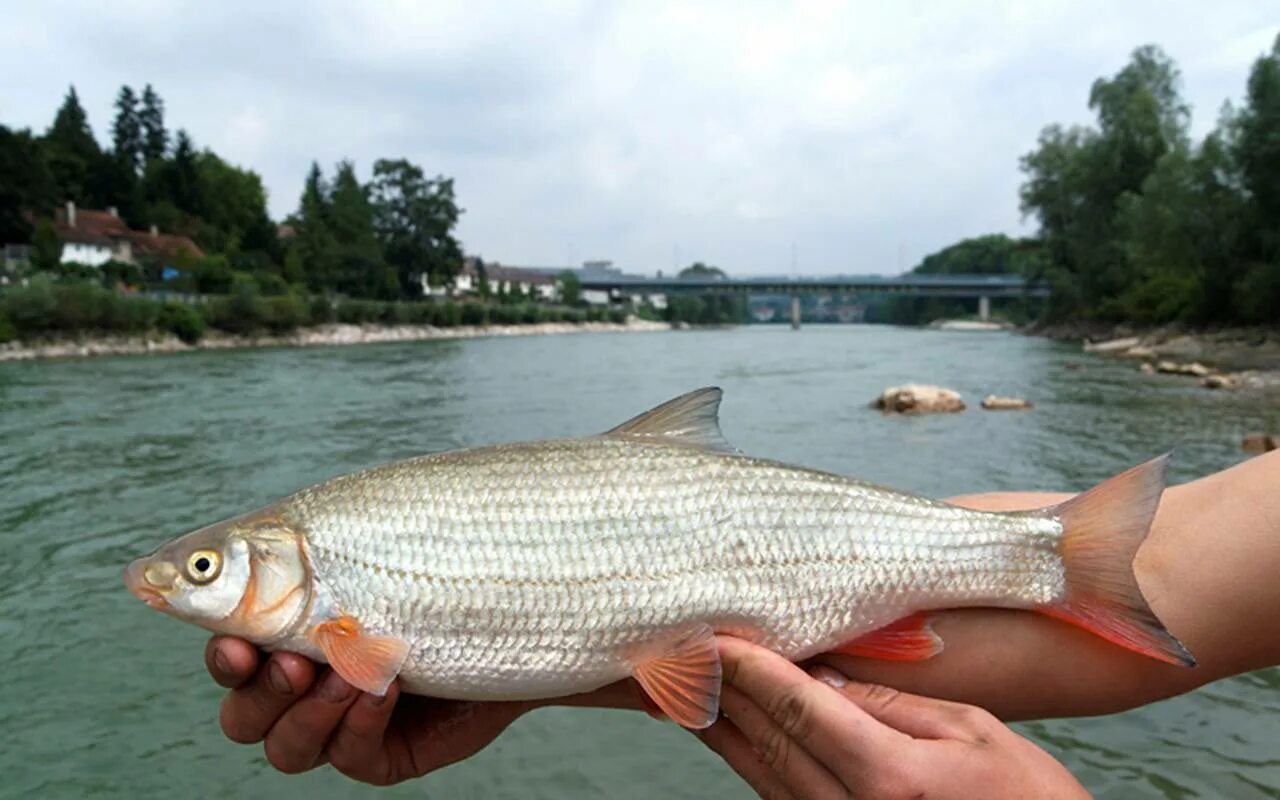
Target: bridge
982 287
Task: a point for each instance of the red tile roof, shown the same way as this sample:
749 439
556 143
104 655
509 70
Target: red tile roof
105 228
92 227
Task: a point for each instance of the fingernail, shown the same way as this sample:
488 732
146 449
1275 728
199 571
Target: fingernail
376 700
278 679
829 676
220 661
335 689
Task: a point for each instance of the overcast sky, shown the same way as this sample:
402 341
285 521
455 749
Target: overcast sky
860 137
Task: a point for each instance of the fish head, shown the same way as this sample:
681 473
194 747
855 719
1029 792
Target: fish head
244 577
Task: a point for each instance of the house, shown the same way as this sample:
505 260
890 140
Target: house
95 237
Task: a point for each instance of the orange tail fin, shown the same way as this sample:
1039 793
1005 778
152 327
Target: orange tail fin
1102 530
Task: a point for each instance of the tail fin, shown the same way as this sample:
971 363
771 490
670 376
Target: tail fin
1102 530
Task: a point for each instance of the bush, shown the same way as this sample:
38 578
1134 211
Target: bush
241 312
448 314
357 312
285 313
322 310
475 313
182 321
271 284
7 331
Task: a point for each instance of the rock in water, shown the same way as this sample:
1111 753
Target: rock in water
918 398
1147 368
996 403
1217 381
1257 443
1113 346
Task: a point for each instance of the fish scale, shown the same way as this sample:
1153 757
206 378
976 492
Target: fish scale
522 570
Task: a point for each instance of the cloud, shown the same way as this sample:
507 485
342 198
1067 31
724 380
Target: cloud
863 136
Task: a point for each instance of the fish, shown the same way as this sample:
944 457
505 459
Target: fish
550 568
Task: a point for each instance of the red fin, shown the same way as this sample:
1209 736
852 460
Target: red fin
684 680
1102 530
368 663
908 639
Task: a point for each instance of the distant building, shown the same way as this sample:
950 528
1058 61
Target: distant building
95 237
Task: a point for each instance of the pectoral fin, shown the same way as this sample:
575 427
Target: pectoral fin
684 679
368 663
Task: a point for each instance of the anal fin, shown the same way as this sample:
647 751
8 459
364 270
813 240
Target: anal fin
911 638
368 663
684 679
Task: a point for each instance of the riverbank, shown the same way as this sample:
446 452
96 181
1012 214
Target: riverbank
1252 349
317 336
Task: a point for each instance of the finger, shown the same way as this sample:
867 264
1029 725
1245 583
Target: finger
778 753
357 747
250 711
807 711
295 742
916 716
230 661
724 738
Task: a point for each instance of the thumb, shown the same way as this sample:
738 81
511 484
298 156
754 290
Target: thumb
916 716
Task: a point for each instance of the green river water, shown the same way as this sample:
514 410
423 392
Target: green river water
104 459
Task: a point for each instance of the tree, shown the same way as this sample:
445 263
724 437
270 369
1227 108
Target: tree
126 131
1076 179
1258 150
314 243
182 177
46 255
570 288
233 206
361 269
414 218
26 184
72 152
700 271
155 139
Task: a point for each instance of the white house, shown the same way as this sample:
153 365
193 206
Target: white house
95 237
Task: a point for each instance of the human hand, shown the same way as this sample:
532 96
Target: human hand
793 735
307 715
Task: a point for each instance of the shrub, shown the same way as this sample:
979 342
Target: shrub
475 313
182 321
448 314
285 313
271 284
322 310
356 312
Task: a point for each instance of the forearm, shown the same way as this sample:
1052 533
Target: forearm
1208 569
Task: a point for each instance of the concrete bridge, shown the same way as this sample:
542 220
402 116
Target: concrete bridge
982 287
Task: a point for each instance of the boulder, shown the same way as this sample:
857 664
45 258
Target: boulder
996 403
1194 369
1113 346
1139 352
1260 443
1147 368
918 398
1218 381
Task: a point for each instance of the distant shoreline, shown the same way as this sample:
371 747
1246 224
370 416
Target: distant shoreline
1232 347
315 336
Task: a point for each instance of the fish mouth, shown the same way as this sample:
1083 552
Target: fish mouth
135 579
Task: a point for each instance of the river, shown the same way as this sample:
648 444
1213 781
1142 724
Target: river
104 459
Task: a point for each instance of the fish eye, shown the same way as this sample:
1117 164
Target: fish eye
203 565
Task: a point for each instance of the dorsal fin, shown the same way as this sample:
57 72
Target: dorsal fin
692 418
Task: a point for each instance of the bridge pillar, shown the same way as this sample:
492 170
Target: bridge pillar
984 308
795 312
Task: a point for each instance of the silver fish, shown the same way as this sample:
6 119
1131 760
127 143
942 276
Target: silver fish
551 568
